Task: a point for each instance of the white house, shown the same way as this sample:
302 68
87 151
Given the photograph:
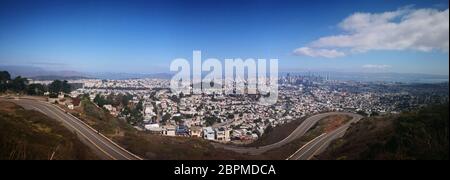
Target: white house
151 126
208 133
196 131
223 134
92 97
108 107
70 106
148 110
169 130
52 100
60 96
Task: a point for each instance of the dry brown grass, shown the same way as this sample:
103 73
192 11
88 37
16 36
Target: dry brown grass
30 135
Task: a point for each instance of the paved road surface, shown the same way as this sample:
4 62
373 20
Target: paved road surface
319 144
298 132
103 146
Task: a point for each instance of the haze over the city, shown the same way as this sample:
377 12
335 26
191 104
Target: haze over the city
145 36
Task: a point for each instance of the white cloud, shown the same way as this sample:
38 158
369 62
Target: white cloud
376 66
405 29
328 53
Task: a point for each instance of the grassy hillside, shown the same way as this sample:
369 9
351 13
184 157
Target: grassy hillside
418 135
325 125
275 134
30 135
158 147
100 119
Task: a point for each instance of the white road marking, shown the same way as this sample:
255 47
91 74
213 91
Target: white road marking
82 134
305 146
94 135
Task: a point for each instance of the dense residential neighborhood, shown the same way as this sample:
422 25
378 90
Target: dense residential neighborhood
149 105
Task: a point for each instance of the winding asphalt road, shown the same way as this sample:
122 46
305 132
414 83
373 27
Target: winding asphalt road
319 143
101 145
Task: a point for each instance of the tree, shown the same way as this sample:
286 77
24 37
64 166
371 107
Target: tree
136 117
55 87
181 95
374 113
53 95
268 129
140 106
3 87
362 113
58 86
210 120
85 96
36 89
5 77
114 100
174 98
177 119
126 111
257 120
126 99
166 117
66 87
19 84
100 101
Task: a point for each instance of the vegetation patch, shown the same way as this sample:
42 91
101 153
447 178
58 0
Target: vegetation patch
276 134
30 135
422 134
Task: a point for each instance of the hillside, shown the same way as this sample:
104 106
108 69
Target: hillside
423 134
150 146
30 135
275 134
326 124
54 77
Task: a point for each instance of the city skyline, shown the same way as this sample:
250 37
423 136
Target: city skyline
145 36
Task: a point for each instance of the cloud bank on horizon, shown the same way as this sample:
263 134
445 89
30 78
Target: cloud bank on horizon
406 28
376 66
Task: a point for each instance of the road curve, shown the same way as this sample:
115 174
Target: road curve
101 145
298 132
320 143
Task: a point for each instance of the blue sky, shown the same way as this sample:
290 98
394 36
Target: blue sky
145 36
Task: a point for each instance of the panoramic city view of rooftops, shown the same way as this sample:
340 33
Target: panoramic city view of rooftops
224 80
